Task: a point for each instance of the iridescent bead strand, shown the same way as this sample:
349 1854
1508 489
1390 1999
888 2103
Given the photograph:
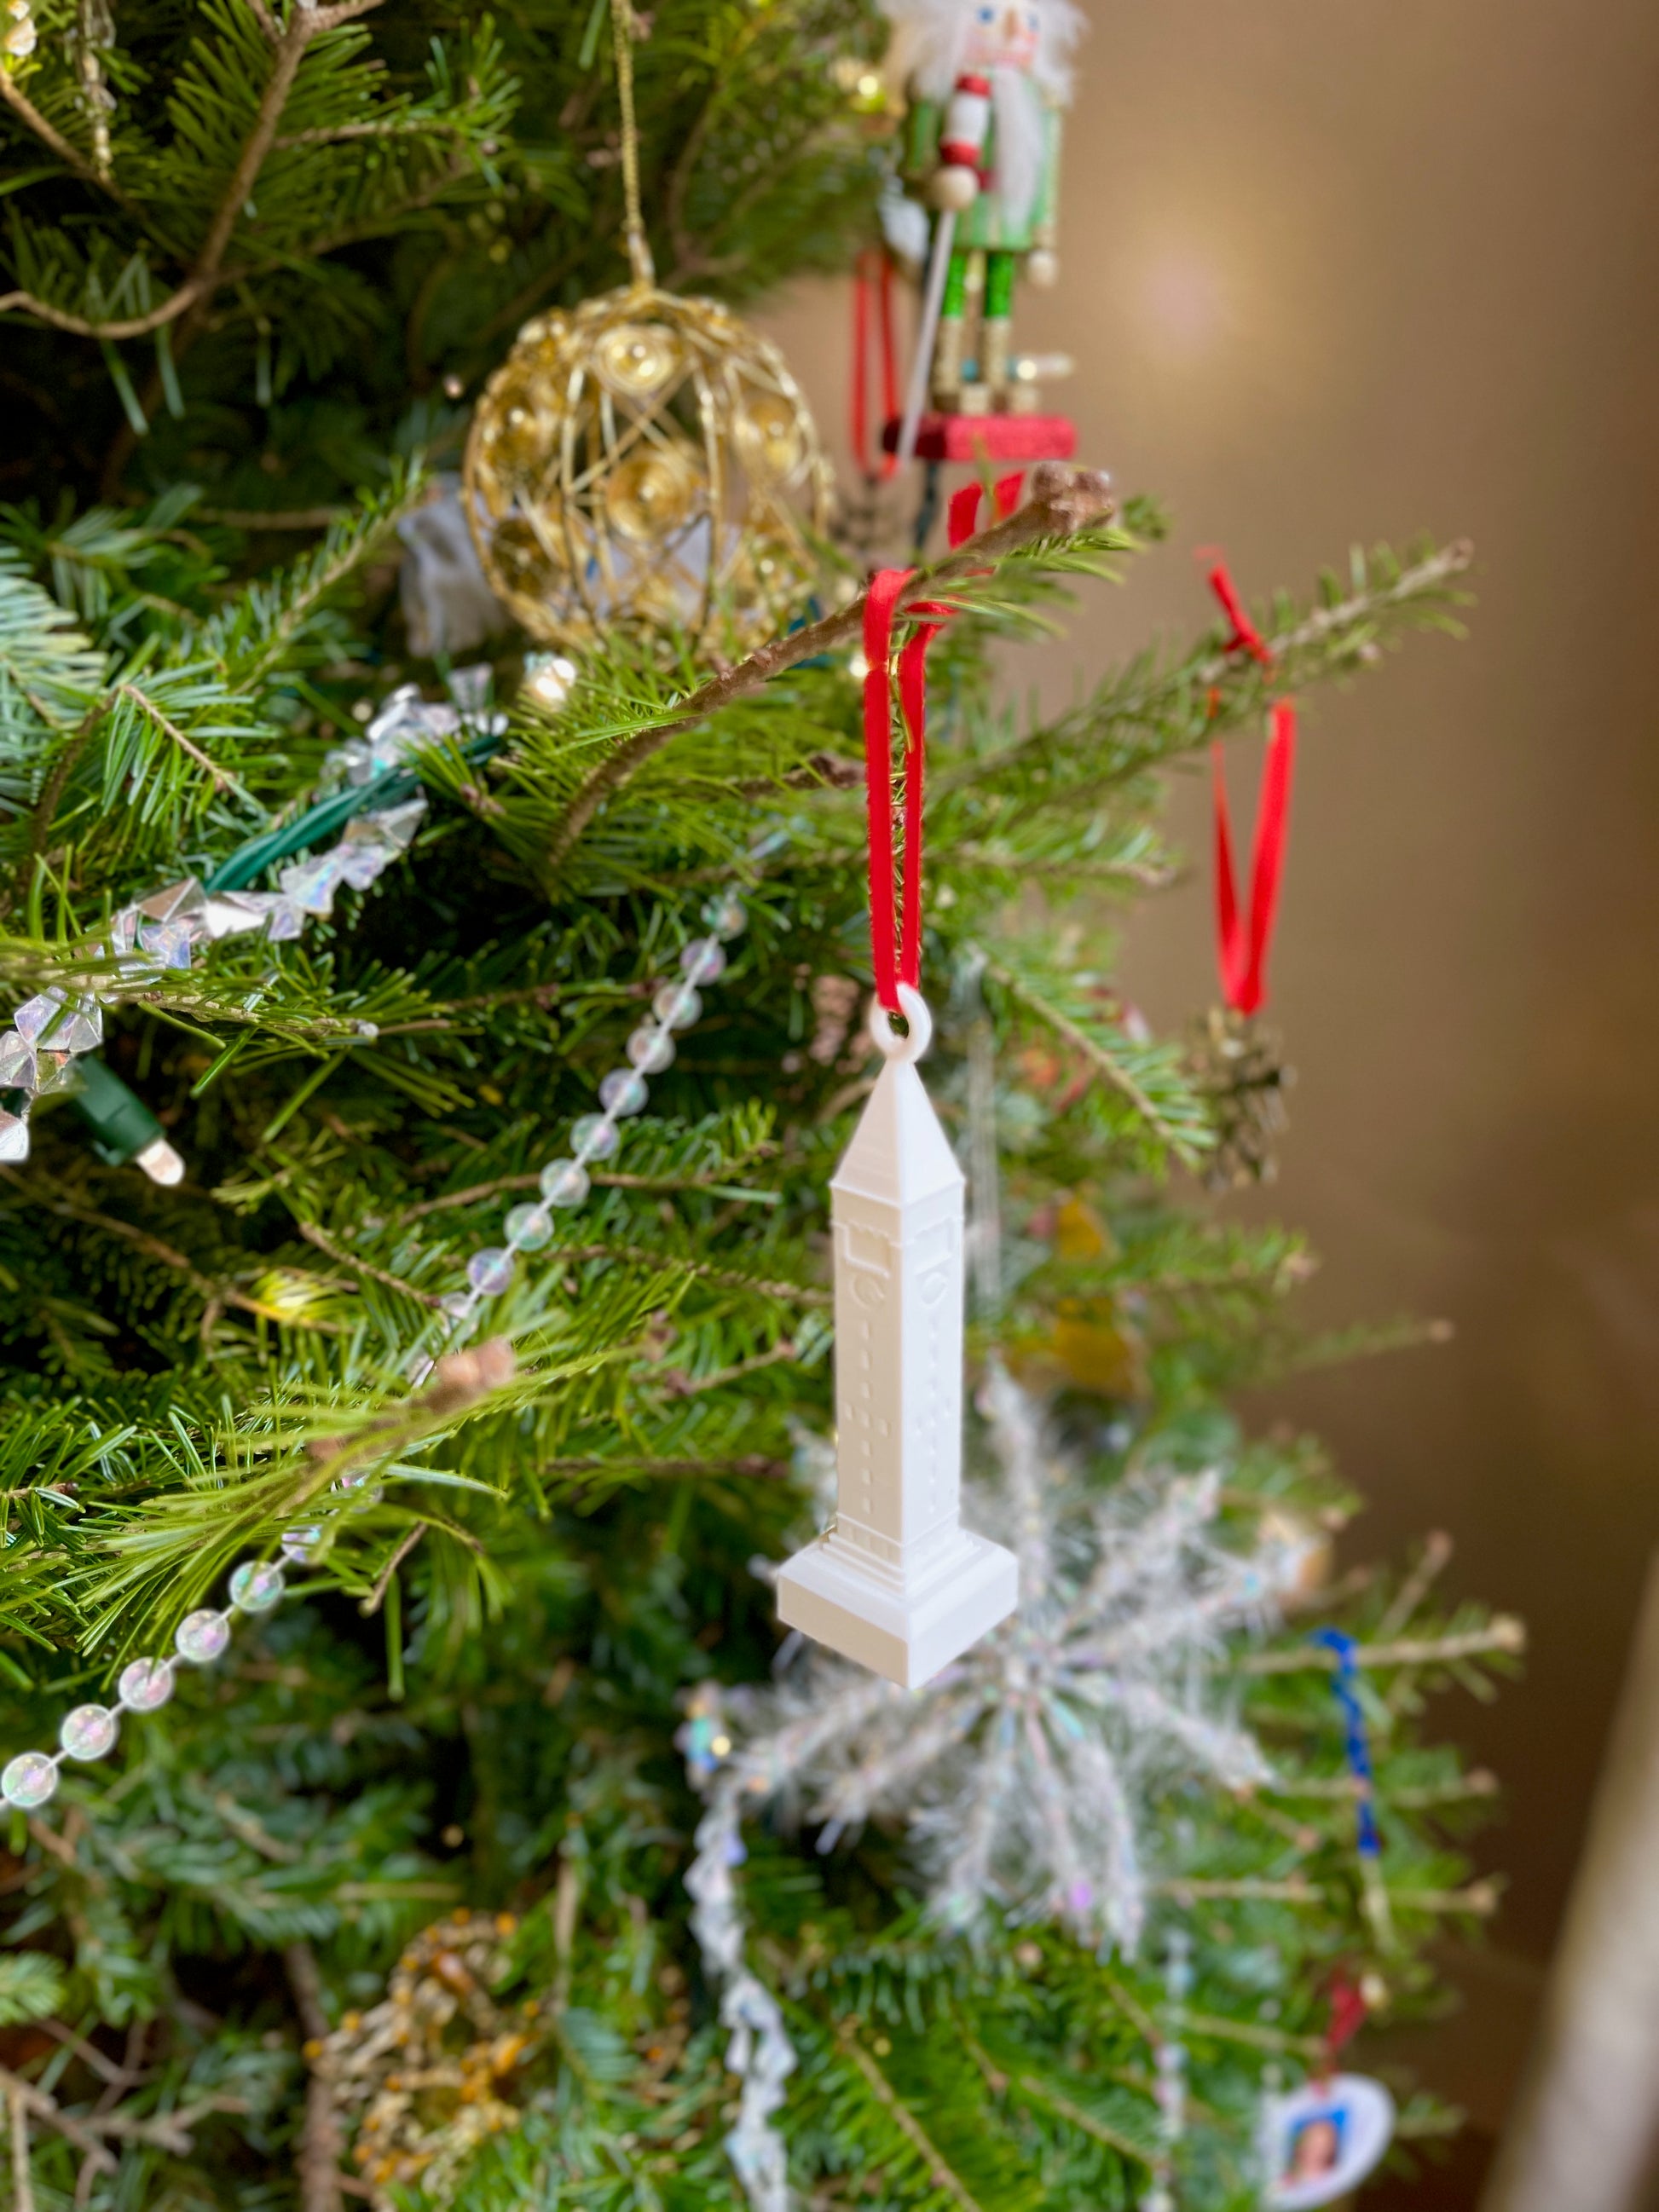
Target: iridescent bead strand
89 1731
566 1182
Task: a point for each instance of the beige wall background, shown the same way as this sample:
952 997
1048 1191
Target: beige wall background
1334 270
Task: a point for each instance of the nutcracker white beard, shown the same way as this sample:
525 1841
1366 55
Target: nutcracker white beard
1019 148
932 47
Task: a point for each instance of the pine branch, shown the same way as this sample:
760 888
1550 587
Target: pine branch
1504 1635
71 157
938 2174
147 707
322 2141
176 305
1073 2114
354 1264
39 1190
1149 1079
1064 503
1157 714
304 24
62 768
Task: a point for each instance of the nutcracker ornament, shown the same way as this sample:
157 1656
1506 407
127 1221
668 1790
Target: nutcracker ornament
988 80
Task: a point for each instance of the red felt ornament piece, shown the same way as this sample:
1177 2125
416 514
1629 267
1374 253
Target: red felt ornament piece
979 439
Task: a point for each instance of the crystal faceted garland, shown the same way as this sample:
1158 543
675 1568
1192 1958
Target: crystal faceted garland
154 935
31 1778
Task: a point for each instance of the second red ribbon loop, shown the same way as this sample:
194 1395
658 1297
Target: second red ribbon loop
1242 939
896 937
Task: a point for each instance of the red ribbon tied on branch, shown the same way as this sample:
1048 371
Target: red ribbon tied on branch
895 942
1242 939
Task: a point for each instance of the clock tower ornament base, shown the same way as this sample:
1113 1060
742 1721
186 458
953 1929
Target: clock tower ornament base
897 1583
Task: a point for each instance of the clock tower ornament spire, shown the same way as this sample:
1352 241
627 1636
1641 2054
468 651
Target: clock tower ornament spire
897 1582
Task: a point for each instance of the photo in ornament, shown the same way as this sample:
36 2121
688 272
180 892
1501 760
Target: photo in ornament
1321 2140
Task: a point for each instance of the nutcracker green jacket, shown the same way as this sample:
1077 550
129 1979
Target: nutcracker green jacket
986 224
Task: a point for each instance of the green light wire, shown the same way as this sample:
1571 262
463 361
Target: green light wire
121 1124
389 788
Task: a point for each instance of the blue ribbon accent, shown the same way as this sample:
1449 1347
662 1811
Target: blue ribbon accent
1356 1743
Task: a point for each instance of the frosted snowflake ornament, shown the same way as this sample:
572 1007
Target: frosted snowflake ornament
1022 1768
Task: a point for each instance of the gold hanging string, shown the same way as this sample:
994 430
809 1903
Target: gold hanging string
639 249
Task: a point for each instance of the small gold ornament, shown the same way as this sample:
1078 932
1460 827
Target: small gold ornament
1238 1065
645 464
432 2072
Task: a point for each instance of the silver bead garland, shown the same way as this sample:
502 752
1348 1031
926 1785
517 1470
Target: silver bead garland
1171 2086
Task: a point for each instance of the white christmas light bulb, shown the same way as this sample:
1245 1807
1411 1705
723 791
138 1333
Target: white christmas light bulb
898 1584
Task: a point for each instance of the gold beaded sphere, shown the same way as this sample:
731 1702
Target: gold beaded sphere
645 464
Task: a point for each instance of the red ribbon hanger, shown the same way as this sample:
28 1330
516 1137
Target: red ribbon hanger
895 942
872 286
1349 2011
1242 941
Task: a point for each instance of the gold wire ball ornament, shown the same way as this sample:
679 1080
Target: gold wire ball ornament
645 464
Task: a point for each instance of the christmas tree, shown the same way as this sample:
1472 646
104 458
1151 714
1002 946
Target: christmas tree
409 1796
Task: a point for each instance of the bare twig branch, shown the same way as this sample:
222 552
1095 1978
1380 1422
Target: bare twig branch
147 707
1436 1555
71 157
23 2186
321 2139
394 126
283 518
356 1265
175 305
376 1597
22 2098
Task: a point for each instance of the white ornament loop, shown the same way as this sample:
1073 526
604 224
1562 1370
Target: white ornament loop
889 1043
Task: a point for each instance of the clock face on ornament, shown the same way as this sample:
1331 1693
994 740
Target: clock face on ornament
1323 2139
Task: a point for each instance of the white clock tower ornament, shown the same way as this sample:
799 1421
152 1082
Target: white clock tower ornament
897 1583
